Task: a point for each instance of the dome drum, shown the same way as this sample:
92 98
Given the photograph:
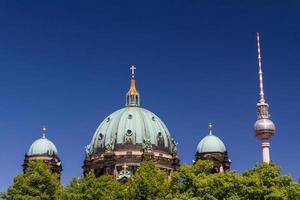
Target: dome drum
53 160
132 147
110 162
103 162
220 160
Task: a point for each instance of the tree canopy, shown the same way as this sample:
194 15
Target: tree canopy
37 183
191 182
149 182
262 182
90 188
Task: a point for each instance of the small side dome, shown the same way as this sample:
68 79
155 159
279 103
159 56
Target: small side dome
42 146
211 143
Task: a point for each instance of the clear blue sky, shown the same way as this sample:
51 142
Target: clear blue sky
65 65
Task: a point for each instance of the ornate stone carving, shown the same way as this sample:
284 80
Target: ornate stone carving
109 146
88 150
129 137
174 146
160 140
147 145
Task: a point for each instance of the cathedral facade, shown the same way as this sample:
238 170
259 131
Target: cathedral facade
133 134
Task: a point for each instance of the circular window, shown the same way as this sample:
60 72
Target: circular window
108 119
153 118
130 116
100 136
129 132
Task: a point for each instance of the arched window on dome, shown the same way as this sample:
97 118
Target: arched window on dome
160 140
100 142
129 137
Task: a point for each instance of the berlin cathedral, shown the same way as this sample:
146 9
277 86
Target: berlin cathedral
130 135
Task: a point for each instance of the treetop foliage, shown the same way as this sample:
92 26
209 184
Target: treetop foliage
191 182
37 183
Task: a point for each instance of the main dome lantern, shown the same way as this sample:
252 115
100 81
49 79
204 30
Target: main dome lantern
127 137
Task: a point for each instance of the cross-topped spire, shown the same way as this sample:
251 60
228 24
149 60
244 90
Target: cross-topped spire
260 73
132 68
132 96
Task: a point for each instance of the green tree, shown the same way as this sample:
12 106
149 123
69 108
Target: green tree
148 183
263 182
91 188
266 182
37 183
191 182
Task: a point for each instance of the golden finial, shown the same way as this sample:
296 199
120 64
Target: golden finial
210 127
44 130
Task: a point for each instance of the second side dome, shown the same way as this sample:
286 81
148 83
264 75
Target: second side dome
42 146
211 143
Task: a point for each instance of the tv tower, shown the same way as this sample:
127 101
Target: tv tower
264 128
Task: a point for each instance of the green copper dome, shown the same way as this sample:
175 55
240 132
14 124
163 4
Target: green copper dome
134 125
42 146
211 143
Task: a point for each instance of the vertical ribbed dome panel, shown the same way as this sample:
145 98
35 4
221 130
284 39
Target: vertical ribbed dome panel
134 122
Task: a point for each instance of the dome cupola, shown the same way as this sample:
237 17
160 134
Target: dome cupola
213 149
42 146
43 149
211 143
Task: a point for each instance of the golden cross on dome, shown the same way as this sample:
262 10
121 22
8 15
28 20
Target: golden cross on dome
132 68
